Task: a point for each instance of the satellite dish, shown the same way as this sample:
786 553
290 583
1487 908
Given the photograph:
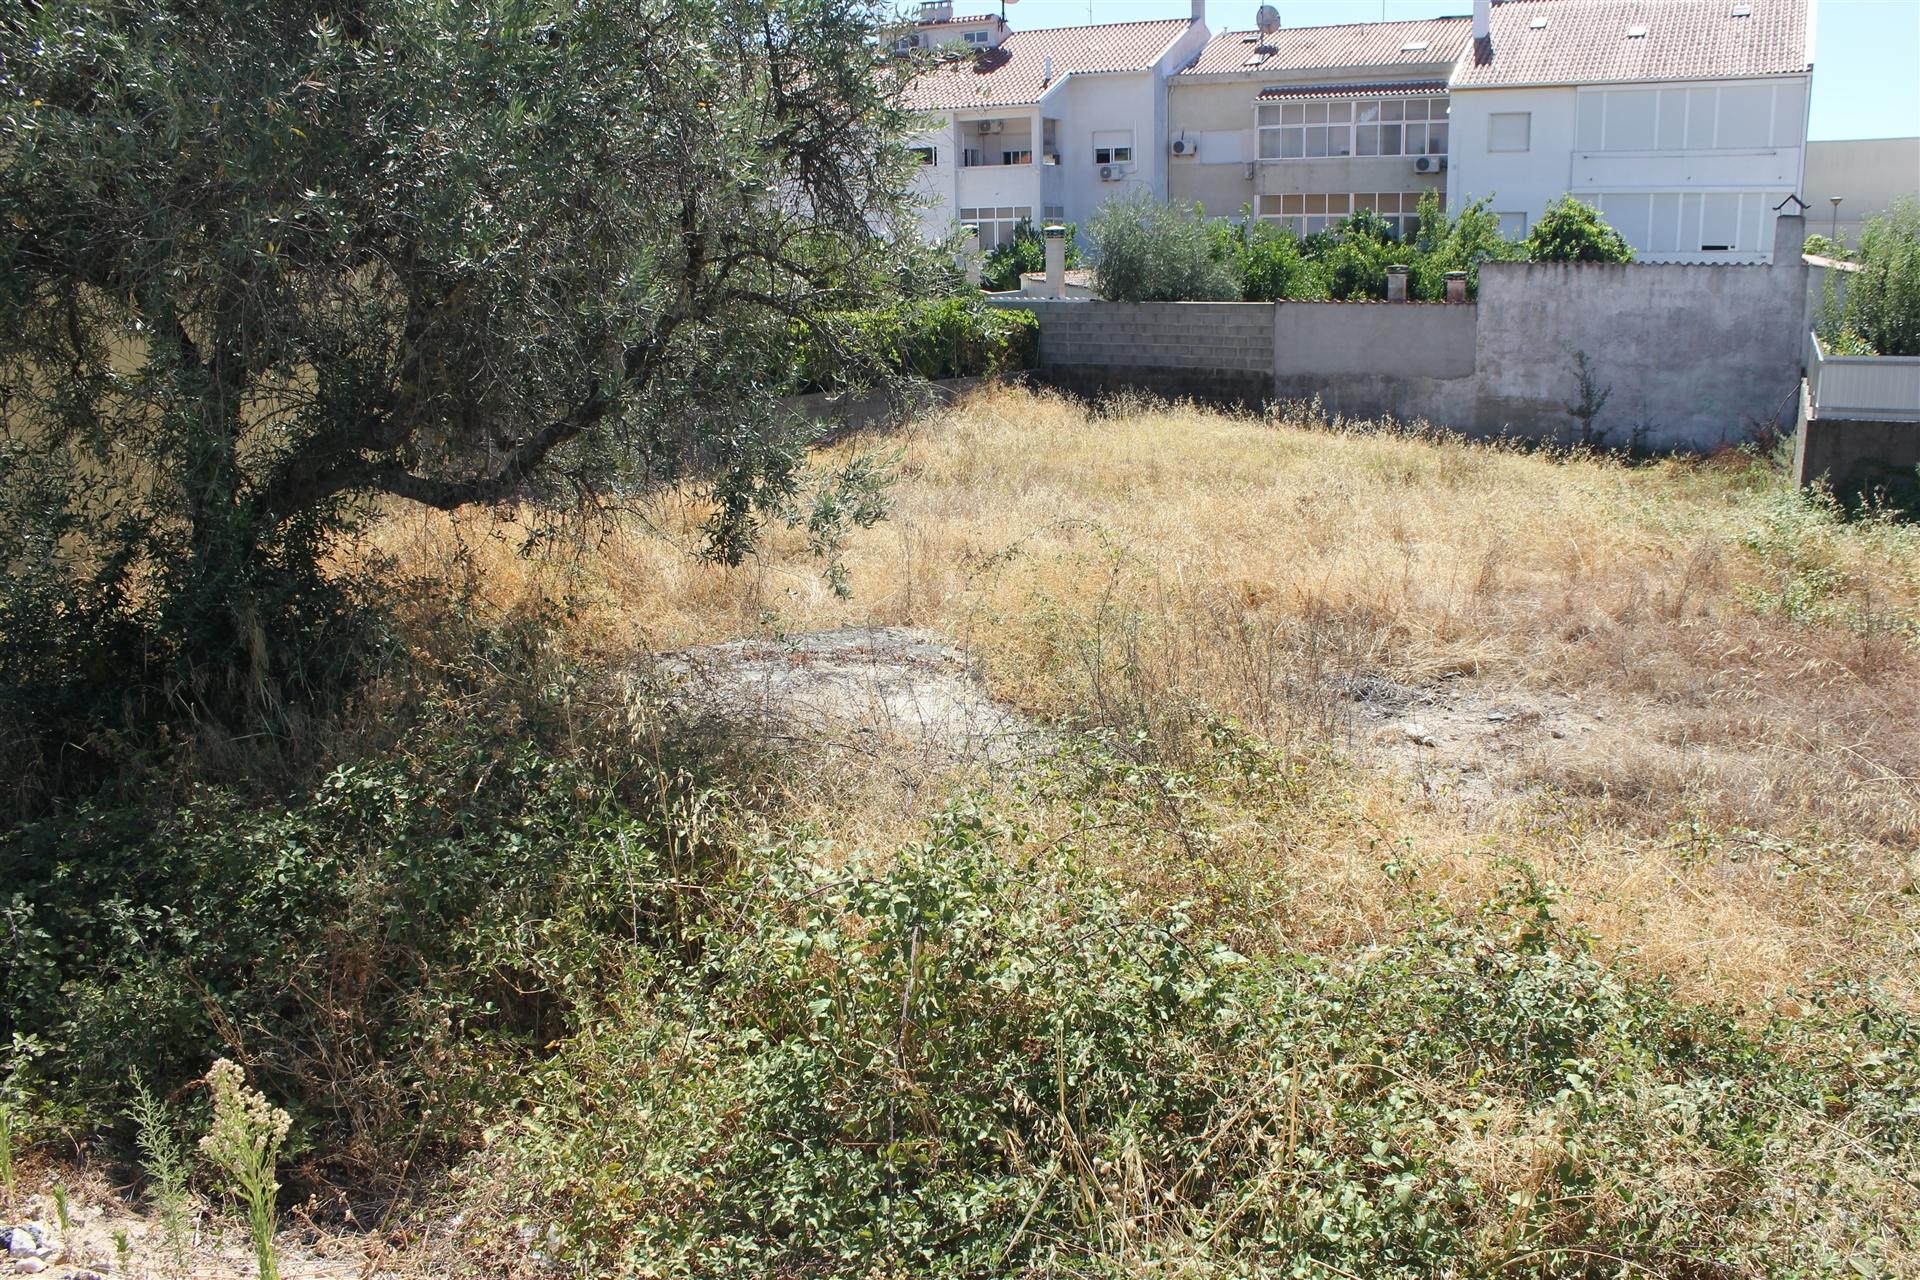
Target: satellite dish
1268 19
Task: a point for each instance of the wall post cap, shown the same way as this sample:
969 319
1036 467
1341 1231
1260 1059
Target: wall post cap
1455 275
1395 269
1054 230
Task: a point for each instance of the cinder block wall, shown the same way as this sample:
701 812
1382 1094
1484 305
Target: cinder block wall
1216 351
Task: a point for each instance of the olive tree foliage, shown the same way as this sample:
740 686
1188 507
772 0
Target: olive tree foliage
265 262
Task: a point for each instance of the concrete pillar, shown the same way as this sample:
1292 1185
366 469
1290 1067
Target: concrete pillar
1056 241
1397 283
970 254
1456 286
1789 240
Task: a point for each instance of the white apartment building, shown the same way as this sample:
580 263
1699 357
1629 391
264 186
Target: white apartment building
1684 121
1042 126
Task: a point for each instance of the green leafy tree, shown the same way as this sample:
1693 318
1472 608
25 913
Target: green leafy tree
1354 256
1025 252
1146 251
1268 260
1573 231
1458 242
1877 308
264 262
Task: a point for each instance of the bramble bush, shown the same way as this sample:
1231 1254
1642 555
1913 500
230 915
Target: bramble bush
443 897
986 1054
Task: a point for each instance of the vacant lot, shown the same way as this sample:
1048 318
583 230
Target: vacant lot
1682 693
1192 846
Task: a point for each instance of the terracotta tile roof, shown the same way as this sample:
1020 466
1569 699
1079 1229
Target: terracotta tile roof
1586 42
1014 73
1391 89
1355 44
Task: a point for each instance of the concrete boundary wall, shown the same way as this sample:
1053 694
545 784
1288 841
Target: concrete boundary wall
1693 356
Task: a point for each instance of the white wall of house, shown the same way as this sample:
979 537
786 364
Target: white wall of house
1088 111
1679 168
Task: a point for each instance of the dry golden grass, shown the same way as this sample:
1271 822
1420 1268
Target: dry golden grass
1744 816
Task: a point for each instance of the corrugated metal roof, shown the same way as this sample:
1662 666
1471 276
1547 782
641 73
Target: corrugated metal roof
1586 42
1391 89
1354 44
1014 74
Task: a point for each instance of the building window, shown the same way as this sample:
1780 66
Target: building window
1307 215
1113 146
927 155
996 225
1055 213
1362 127
1016 157
1510 131
977 37
1513 226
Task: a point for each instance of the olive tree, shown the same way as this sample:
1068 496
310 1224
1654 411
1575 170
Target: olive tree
265 262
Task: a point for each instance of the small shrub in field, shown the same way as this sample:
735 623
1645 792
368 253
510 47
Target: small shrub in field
163 1159
1146 251
1574 231
244 1144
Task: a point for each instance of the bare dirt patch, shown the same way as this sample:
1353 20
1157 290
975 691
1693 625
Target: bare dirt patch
1468 742
862 691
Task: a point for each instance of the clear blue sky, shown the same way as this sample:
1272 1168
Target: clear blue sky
1866 75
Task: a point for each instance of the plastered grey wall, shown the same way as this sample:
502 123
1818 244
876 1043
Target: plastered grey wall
1391 339
1693 356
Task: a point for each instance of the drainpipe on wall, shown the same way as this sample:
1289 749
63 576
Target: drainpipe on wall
970 255
1397 283
1056 242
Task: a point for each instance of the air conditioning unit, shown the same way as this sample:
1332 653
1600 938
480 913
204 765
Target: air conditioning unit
992 126
1184 146
1429 164
1109 173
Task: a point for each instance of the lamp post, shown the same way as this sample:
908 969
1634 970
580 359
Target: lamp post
1834 230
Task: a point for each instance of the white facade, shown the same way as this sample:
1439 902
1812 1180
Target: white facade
1688 171
1044 161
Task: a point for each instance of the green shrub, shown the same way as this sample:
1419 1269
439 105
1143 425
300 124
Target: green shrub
1025 252
1147 251
1822 247
1458 242
1879 306
984 1057
444 898
1573 231
955 337
1268 260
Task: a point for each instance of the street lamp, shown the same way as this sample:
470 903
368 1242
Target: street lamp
1835 228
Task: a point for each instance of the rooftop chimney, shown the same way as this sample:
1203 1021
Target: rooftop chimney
1199 10
1046 70
1483 19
